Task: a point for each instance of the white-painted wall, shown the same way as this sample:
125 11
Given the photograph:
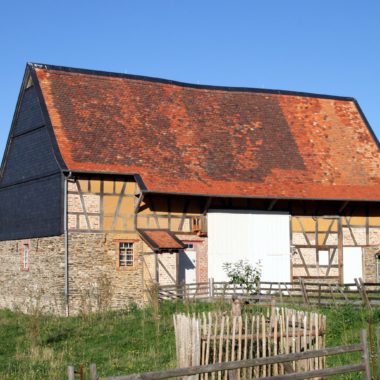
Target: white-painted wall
236 235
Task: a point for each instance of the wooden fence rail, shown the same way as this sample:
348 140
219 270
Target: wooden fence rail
306 293
234 366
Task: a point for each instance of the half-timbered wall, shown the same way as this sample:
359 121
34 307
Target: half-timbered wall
313 236
108 206
102 205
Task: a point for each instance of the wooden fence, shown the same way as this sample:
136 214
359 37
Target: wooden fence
211 338
301 292
232 367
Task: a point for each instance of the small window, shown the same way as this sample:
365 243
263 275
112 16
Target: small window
25 257
189 246
125 254
323 258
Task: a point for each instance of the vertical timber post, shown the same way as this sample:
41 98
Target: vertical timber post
93 375
70 373
366 358
66 242
340 250
211 287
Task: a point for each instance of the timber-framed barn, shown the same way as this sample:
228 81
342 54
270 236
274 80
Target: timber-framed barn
112 182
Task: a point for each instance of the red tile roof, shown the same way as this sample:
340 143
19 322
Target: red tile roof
217 141
161 240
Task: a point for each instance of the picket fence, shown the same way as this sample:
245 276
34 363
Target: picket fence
203 339
233 367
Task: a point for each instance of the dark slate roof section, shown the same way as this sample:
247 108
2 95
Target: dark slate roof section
194 139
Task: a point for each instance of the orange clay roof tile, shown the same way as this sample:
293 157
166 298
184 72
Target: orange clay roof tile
215 141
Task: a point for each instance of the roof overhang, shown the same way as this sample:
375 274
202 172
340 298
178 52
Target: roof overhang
161 240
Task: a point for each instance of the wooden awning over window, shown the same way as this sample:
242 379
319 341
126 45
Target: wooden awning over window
161 240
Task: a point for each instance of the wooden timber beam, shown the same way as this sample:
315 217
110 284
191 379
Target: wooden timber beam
207 205
272 204
344 205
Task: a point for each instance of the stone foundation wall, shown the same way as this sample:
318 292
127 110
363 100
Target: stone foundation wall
96 280
40 288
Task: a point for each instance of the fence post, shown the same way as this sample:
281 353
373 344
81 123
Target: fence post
211 287
378 349
93 375
364 342
364 293
361 290
304 293
232 374
70 372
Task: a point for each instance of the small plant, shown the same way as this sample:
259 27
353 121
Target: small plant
245 274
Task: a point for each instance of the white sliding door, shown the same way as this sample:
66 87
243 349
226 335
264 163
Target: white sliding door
236 235
352 264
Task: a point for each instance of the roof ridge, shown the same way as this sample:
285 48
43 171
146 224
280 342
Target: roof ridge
187 84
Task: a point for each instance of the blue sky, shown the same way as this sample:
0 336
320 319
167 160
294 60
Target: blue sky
322 46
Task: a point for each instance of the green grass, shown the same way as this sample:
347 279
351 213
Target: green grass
122 342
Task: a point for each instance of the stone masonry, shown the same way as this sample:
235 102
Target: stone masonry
40 288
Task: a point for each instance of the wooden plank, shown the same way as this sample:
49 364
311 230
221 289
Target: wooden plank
245 353
263 339
177 372
328 231
80 193
350 229
303 230
330 262
303 261
257 370
220 356
366 357
118 205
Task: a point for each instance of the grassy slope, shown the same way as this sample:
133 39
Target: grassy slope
128 341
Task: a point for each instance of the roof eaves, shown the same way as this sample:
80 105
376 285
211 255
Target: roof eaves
153 192
137 177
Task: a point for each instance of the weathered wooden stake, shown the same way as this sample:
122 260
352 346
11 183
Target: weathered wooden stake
70 372
93 375
211 287
304 293
363 340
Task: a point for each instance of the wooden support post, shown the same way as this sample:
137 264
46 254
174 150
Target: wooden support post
70 372
340 250
366 358
93 374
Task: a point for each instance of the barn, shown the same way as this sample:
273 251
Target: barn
113 182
